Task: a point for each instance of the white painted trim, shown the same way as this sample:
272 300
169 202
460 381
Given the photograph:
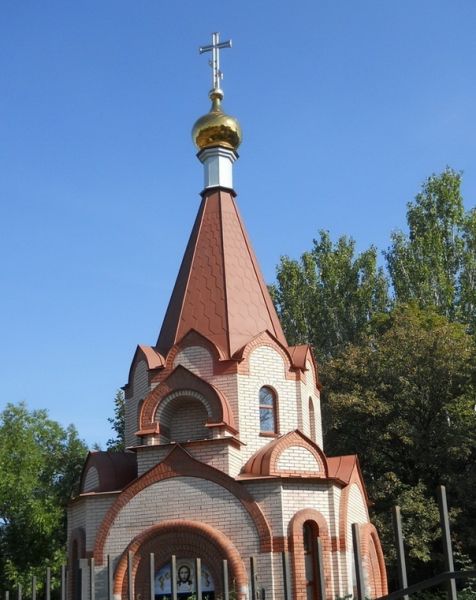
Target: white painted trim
218 166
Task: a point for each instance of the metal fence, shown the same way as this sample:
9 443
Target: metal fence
83 592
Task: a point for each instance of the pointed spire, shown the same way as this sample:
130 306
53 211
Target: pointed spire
220 291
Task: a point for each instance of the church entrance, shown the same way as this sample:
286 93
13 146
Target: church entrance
186 581
187 540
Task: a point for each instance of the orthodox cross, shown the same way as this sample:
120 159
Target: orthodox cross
215 48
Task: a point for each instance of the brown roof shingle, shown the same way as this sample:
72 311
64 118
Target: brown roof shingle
220 291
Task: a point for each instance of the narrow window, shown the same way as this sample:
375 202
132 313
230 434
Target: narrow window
267 410
312 420
310 533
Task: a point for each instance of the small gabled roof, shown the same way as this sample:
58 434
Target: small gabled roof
220 291
115 470
341 467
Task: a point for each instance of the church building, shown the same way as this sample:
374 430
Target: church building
225 457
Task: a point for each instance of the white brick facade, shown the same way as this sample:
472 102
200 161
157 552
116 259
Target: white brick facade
183 415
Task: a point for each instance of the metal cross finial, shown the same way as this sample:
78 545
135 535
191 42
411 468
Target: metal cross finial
215 48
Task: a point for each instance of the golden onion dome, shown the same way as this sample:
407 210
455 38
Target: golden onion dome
217 128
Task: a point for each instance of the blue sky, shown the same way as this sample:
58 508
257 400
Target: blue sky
346 107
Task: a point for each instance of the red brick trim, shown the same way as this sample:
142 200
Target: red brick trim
280 543
179 463
181 536
182 379
296 546
344 506
373 560
337 544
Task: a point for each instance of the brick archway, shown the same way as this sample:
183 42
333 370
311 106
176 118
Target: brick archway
183 538
296 546
373 559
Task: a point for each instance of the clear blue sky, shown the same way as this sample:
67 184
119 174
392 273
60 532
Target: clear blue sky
346 108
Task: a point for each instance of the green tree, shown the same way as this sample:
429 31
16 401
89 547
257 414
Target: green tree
467 287
118 422
404 401
435 263
40 462
327 298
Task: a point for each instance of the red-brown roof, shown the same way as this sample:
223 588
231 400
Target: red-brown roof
220 291
341 467
115 469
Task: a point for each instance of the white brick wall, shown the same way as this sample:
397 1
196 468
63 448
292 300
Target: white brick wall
149 456
194 499
297 458
357 513
196 359
307 389
267 368
88 513
91 481
140 387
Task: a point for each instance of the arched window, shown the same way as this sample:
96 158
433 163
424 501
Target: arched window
312 420
310 532
267 411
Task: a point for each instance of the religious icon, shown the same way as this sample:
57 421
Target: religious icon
186 582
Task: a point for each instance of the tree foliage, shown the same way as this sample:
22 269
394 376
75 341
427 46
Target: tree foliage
403 399
328 296
398 368
435 264
40 462
118 422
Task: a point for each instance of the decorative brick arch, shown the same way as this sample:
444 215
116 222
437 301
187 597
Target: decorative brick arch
179 463
265 460
356 477
153 359
183 538
194 338
373 560
266 339
183 379
296 547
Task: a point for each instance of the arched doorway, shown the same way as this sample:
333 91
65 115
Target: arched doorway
186 540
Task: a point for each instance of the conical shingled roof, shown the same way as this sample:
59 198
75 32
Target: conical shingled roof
220 291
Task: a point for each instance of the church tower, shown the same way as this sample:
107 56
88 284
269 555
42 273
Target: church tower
225 456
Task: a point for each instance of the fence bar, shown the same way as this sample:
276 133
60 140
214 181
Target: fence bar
130 583
320 569
359 574
286 576
401 565
198 578
226 591
19 590
428 583
33 587
63 582
110 579
48 584
7 595
447 549
174 577
254 577
92 580
152 576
